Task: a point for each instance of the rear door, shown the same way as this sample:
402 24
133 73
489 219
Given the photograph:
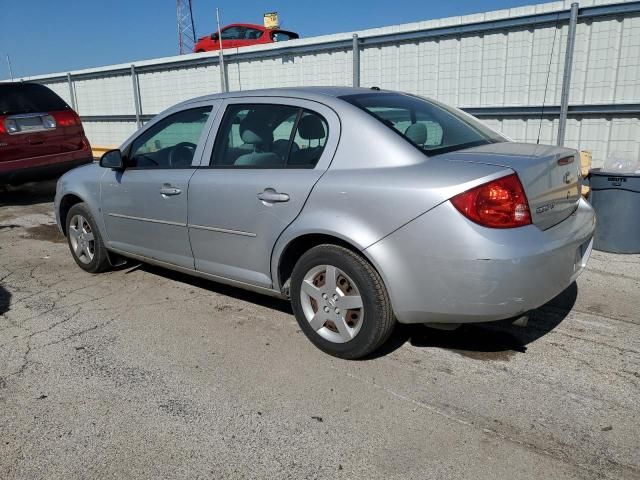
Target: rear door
255 178
35 122
145 206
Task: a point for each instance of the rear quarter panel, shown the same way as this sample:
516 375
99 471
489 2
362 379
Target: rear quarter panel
377 183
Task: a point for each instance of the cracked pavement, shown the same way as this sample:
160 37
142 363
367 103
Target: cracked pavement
146 373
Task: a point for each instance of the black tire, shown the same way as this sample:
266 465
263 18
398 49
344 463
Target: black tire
377 321
100 261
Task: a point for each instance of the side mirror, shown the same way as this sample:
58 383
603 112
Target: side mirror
112 159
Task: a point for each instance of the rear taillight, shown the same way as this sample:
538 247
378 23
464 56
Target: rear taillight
2 127
500 203
66 118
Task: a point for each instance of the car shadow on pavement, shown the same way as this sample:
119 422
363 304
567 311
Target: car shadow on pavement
487 341
28 193
497 341
5 300
229 291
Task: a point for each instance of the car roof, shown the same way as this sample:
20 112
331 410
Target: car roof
257 27
321 94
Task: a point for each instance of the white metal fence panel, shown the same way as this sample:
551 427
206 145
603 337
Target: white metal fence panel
506 66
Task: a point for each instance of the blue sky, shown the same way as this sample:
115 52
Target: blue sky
43 36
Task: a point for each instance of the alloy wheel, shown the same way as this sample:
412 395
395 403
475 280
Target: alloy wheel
81 239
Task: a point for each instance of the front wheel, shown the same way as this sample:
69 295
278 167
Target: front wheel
340 302
85 241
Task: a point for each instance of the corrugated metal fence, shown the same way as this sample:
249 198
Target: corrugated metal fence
505 66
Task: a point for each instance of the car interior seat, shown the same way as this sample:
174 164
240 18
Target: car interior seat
417 133
310 128
255 132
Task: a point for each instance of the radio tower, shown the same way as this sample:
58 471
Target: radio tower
186 29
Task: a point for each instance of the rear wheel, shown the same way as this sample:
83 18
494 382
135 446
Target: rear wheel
340 302
85 241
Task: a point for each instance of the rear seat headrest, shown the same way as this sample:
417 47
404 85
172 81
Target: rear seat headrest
417 133
311 128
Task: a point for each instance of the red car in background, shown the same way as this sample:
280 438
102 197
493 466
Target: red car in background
242 35
40 135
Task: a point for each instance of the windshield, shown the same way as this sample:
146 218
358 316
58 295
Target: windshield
430 126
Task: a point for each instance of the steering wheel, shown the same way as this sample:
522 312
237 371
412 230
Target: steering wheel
181 154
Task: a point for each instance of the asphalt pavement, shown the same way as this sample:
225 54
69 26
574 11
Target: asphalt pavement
145 373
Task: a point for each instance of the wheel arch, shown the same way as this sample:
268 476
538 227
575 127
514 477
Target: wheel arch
66 202
287 253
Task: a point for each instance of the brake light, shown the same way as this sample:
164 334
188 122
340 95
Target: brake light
66 118
499 203
2 127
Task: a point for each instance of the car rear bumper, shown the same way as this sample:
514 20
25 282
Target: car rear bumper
443 268
42 168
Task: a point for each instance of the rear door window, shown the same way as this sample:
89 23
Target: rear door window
269 136
16 98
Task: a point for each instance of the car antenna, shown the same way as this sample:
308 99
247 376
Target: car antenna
377 89
544 99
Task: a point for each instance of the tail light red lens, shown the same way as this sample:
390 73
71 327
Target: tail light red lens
66 118
500 203
2 127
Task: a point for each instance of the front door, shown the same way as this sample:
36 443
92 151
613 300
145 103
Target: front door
145 206
268 155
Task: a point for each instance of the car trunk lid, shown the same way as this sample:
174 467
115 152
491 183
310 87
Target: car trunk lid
550 175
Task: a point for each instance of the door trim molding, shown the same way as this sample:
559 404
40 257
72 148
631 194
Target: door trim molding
144 219
197 273
223 230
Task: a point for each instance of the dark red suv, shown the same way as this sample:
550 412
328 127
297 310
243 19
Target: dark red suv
40 135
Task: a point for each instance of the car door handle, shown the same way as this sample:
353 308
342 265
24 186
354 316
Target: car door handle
169 190
271 196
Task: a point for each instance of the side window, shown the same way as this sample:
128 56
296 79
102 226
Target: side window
252 34
254 136
282 36
309 141
232 33
269 136
171 142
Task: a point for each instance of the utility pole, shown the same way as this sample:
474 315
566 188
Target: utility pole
566 79
223 72
9 66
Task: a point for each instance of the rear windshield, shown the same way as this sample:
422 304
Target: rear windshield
430 126
28 98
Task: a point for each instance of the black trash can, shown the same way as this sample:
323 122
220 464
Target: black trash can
616 199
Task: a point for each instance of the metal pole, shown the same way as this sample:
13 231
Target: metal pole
136 95
9 66
223 72
71 92
356 60
566 79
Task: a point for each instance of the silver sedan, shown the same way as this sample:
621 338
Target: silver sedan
363 207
